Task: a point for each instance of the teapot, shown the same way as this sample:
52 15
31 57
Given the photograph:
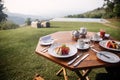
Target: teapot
75 35
83 31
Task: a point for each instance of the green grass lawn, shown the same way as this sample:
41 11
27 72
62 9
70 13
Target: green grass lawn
115 22
18 60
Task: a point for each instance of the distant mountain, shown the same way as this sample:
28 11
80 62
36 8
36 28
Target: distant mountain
20 18
16 19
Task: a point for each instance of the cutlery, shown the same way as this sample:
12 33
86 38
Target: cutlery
73 60
77 63
105 55
45 49
101 54
94 50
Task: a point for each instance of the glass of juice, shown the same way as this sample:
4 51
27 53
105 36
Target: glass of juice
102 33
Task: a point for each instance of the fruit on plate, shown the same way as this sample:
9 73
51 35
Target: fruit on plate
62 50
112 44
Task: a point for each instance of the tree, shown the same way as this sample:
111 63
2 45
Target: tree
28 21
3 16
112 8
116 10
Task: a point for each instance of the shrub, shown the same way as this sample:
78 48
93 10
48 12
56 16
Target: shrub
8 25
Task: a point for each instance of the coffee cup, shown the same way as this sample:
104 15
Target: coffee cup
81 43
96 37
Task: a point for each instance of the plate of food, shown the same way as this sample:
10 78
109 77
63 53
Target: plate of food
46 40
110 45
62 50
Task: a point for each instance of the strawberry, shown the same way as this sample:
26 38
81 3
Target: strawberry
65 50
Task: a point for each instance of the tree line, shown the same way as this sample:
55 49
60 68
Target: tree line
110 9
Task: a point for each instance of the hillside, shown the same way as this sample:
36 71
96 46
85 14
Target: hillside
16 19
20 18
96 13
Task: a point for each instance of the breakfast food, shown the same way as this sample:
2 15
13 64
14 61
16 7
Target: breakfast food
62 50
112 44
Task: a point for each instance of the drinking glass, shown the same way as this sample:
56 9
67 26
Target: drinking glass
102 33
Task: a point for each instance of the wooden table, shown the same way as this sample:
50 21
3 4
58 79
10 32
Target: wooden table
85 66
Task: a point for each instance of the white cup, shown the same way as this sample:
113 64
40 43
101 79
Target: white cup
81 43
87 40
96 37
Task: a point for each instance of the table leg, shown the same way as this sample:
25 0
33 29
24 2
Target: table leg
64 73
83 76
86 72
79 75
59 72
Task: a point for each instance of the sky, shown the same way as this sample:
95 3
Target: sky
51 8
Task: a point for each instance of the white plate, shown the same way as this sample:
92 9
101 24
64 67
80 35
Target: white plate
113 58
103 44
47 43
51 51
46 40
86 46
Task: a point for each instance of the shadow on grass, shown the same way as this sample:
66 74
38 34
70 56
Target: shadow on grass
3 73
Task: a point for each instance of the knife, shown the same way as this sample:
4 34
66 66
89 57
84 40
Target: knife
77 63
104 55
73 60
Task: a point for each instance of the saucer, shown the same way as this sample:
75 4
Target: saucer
86 46
97 39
